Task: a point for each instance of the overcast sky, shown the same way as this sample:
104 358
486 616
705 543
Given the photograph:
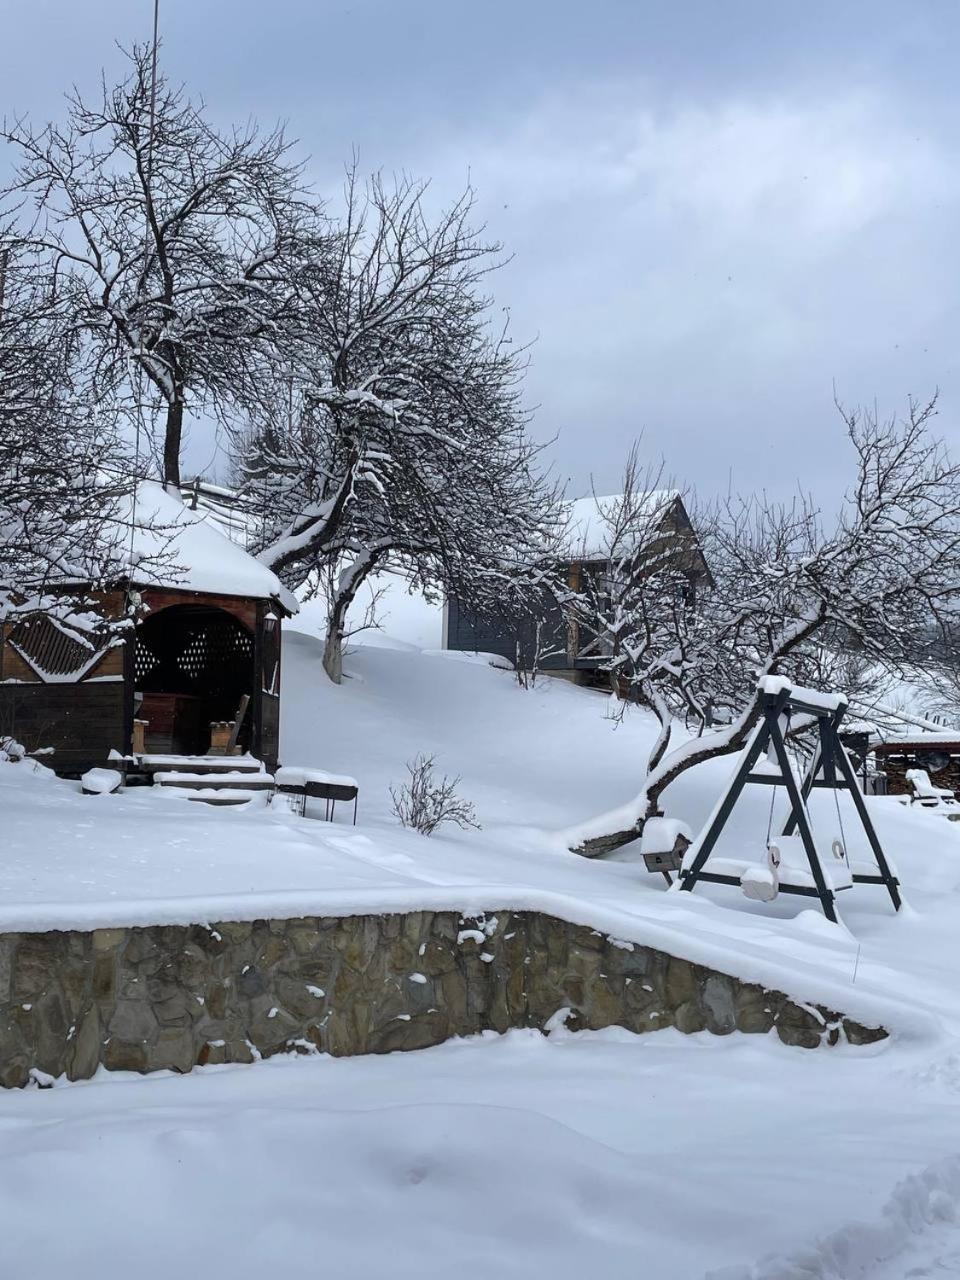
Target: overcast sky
718 209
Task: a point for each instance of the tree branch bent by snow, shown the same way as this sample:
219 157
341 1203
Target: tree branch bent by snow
883 574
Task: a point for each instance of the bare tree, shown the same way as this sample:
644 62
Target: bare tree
173 247
783 582
61 461
397 437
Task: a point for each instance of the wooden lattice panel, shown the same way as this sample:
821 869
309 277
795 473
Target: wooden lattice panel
202 651
50 650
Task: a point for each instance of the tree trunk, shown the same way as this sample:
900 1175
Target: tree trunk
348 584
333 642
333 651
172 440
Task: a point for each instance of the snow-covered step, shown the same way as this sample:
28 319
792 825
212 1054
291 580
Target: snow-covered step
215 795
200 764
215 781
210 795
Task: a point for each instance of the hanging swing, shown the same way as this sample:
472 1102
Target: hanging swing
794 863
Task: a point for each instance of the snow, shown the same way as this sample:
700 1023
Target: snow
221 776
405 619
563 1156
185 551
245 763
731 1157
813 697
101 781
920 740
660 835
590 521
149 858
289 775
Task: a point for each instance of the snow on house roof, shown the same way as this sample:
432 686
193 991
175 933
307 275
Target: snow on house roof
183 550
591 521
918 741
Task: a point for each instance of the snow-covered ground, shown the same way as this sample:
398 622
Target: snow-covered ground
600 1153
656 1155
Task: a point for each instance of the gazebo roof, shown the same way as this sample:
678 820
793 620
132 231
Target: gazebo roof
182 550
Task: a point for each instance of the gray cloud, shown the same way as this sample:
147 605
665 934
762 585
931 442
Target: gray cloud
716 212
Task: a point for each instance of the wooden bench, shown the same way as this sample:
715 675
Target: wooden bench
925 793
301 785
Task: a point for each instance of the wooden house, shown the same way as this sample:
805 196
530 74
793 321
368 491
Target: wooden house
560 645
203 641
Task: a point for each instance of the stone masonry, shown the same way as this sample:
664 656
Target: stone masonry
172 997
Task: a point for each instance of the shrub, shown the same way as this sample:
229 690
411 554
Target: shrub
425 801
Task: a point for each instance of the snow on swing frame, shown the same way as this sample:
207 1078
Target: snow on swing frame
795 862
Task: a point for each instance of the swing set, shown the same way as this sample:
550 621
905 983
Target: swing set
795 863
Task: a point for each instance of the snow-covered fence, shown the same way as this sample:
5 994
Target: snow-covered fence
177 996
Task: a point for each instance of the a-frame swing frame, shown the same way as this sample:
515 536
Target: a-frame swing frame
829 768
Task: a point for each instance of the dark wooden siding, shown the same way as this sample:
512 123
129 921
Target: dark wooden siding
241 607
266 708
81 722
471 632
269 730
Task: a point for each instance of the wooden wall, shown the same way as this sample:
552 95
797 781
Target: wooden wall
81 722
895 763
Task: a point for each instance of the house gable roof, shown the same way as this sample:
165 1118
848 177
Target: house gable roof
590 521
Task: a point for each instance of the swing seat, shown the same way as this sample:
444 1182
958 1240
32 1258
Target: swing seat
836 875
760 884
789 858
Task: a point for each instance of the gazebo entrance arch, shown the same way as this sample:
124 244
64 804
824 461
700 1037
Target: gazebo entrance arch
193 665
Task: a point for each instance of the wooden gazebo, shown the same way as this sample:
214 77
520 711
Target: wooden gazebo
204 643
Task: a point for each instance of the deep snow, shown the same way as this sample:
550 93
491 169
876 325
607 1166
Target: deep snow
530 761
604 1154
657 1155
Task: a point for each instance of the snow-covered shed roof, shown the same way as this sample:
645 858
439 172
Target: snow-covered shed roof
949 738
591 521
184 550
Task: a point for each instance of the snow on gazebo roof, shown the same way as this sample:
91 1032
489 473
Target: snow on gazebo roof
184 551
590 521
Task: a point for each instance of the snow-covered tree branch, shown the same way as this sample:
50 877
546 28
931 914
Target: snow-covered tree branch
65 473
395 435
786 582
173 248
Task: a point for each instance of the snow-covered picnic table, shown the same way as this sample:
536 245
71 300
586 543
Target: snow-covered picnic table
301 784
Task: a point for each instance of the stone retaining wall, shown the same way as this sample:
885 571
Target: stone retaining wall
145 999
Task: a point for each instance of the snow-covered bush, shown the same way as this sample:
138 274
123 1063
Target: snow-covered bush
426 801
10 750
